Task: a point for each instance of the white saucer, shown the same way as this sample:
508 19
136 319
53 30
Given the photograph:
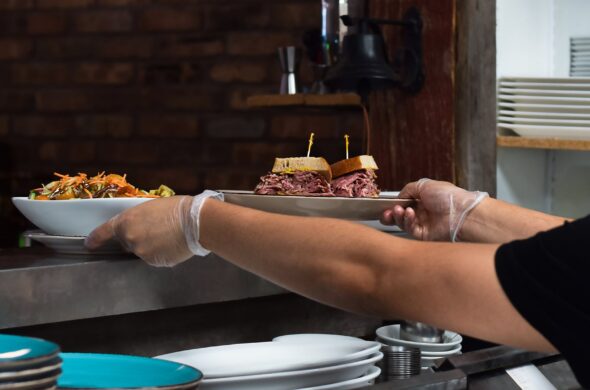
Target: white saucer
72 245
390 335
366 380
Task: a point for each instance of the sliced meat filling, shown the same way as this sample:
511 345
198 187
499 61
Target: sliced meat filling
358 184
304 183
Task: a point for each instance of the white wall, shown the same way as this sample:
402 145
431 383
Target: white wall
524 37
533 40
571 19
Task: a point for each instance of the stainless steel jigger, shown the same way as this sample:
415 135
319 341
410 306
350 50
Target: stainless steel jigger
289 57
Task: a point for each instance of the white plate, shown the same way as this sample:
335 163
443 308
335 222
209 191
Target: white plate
545 122
560 80
546 100
538 131
268 357
450 352
545 86
546 93
294 379
545 108
72 245
364 347
332 207
390 335
365 380
544 115
73 217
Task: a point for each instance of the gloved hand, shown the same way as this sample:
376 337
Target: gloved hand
163 232
440 212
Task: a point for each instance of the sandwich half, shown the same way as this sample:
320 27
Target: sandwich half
355 177
304 176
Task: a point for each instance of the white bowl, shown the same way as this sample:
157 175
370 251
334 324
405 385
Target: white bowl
390 335
73 217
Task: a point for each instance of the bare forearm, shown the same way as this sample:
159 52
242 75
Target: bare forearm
496 221
361 270
329 260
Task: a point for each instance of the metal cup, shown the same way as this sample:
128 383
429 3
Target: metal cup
289 58
420 332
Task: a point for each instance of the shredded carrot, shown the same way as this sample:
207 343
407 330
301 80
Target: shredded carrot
99 186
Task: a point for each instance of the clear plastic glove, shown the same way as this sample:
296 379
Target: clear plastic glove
163 232
440 212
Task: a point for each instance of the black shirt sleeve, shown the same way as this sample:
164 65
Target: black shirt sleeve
547 279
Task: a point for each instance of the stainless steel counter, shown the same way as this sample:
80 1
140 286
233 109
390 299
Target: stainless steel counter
39 287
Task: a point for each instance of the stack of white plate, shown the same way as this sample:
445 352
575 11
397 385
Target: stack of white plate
450 345
580 57
28 363
545 107
301 361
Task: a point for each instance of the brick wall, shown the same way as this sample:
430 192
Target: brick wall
152 88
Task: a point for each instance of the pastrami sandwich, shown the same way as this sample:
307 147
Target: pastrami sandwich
304 176
355 177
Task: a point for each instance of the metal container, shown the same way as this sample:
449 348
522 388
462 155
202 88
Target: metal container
420 332
400 362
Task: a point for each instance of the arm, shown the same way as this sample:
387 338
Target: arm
444 211
366 271
497 221
339 263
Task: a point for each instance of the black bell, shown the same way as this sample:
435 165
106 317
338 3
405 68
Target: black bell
363 62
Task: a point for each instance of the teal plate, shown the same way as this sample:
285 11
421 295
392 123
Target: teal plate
15 349
102 371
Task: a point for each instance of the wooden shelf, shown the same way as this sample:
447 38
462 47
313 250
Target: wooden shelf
507 141
305 100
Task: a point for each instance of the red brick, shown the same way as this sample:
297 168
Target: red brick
16 4
189 47
114 126
45 126
71 100
228 127
121 3
256 43
103 73
81 151
125 47
12 23
183 180
51 151
215 153
238 15
62 100
300 126
235 180
3 126
64 3
262 154
174 126
40 73
237 98
250 72
169 19
128 152
11 100
65 48
45 23
103 21
12 49
296 15
182 99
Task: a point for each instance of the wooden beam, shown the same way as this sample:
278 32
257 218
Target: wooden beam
475 88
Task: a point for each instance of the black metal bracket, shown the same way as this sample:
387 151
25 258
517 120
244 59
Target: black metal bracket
407 60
